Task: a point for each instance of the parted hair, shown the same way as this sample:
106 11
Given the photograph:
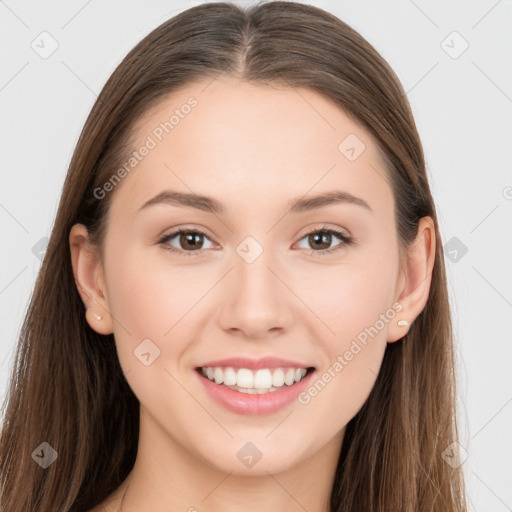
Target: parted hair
67 387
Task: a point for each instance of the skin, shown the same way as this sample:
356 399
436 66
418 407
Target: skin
253 148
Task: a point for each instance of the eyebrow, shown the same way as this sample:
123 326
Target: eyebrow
295 205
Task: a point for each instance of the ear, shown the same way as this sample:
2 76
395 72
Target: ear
89 280
413 286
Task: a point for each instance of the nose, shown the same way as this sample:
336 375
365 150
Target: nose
255 303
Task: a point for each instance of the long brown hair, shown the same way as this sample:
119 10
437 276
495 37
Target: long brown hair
67 387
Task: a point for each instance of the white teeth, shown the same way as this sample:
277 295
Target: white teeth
278 378
229 377
218 375
254 382
244 378
253 391
262 379
289 377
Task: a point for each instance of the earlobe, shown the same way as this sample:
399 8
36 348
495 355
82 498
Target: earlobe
415 282
88 274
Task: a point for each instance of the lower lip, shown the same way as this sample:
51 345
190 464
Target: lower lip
252 405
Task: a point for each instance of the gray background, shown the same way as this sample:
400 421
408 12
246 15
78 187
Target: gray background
462 101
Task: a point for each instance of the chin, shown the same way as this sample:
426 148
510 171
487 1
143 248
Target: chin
243 457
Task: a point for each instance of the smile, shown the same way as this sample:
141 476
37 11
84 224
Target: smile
263 380
254 392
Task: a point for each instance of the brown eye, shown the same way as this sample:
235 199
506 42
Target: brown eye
320 240
188 240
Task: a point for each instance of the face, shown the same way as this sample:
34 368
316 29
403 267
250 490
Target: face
269 273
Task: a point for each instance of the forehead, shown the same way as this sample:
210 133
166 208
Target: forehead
245 142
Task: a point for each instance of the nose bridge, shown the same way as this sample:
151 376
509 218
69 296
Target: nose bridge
257 300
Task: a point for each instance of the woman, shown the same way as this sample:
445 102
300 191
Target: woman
243 300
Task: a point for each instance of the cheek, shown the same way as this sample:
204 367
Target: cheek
354 305
149 295
353 351
151 302
348 298
140 299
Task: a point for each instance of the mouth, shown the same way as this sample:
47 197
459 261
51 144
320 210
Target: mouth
248 386
259 381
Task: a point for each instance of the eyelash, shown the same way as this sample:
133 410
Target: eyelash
346 240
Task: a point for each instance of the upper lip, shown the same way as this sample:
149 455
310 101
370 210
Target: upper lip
255 364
